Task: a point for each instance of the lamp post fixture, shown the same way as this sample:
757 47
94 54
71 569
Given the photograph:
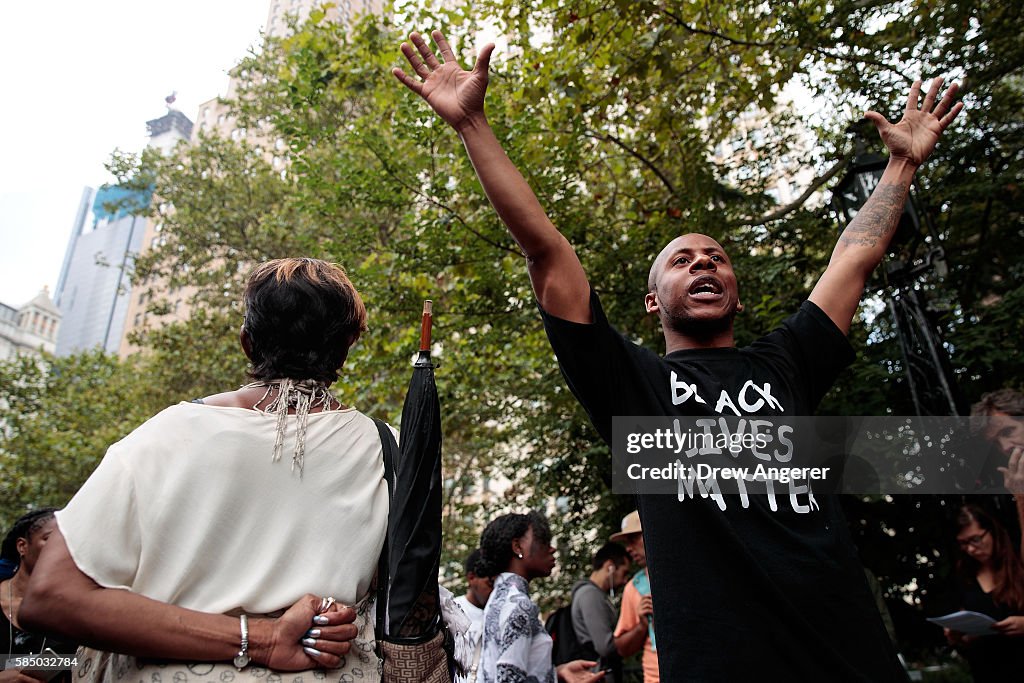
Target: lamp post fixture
914 252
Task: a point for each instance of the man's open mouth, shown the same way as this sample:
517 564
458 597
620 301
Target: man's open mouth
706 287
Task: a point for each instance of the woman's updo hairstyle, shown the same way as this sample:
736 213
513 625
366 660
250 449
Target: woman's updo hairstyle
496 540
301 317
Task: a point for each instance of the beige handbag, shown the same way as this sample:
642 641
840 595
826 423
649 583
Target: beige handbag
419 663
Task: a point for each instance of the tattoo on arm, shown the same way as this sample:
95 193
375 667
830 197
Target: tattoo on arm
879 217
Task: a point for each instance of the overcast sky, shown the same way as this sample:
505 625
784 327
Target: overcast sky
79 79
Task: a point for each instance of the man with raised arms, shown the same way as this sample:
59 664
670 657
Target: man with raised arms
761 590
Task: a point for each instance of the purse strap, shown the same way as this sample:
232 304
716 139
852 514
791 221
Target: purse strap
389 448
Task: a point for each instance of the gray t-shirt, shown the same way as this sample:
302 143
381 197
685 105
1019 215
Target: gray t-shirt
593 619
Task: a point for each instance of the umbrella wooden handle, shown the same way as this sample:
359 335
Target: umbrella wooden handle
426 324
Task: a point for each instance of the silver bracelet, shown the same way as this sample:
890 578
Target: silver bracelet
242 658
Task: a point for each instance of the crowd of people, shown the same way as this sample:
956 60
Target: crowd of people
193 552
989 581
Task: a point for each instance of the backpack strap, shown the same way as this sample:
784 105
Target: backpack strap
389 449
575 588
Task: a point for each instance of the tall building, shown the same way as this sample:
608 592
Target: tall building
215 118
342 11
741 158
94 289
29 329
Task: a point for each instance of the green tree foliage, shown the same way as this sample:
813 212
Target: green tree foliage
57 417
618 114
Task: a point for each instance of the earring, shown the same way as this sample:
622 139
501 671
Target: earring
519 555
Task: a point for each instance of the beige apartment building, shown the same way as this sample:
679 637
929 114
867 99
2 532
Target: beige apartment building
214 118
739 154
164 134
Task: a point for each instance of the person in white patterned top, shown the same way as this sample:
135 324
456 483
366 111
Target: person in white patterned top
515 549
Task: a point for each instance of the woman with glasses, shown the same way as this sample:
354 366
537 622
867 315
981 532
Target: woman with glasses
991 581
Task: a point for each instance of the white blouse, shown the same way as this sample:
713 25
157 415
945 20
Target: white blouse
190 509
516 649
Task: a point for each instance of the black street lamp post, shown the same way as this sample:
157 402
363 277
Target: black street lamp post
914 252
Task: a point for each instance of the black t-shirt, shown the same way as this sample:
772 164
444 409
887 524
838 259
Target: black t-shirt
14 641
18 642
993 658
770 587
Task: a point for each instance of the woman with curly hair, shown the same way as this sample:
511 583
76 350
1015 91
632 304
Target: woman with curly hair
991 577
21 548
515 549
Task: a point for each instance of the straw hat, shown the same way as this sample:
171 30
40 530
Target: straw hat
630 525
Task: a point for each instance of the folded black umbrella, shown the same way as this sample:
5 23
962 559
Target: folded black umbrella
414 525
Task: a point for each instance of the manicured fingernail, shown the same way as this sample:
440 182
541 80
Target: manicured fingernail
308 641
311 652
313 633
320 620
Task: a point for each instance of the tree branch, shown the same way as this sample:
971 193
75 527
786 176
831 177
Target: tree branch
441 205
837 19
799 201
854 59
714 34
769 44
608 137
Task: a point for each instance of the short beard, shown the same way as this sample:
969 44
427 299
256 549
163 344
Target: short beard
700 327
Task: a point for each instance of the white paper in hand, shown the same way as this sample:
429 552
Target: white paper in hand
968 623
